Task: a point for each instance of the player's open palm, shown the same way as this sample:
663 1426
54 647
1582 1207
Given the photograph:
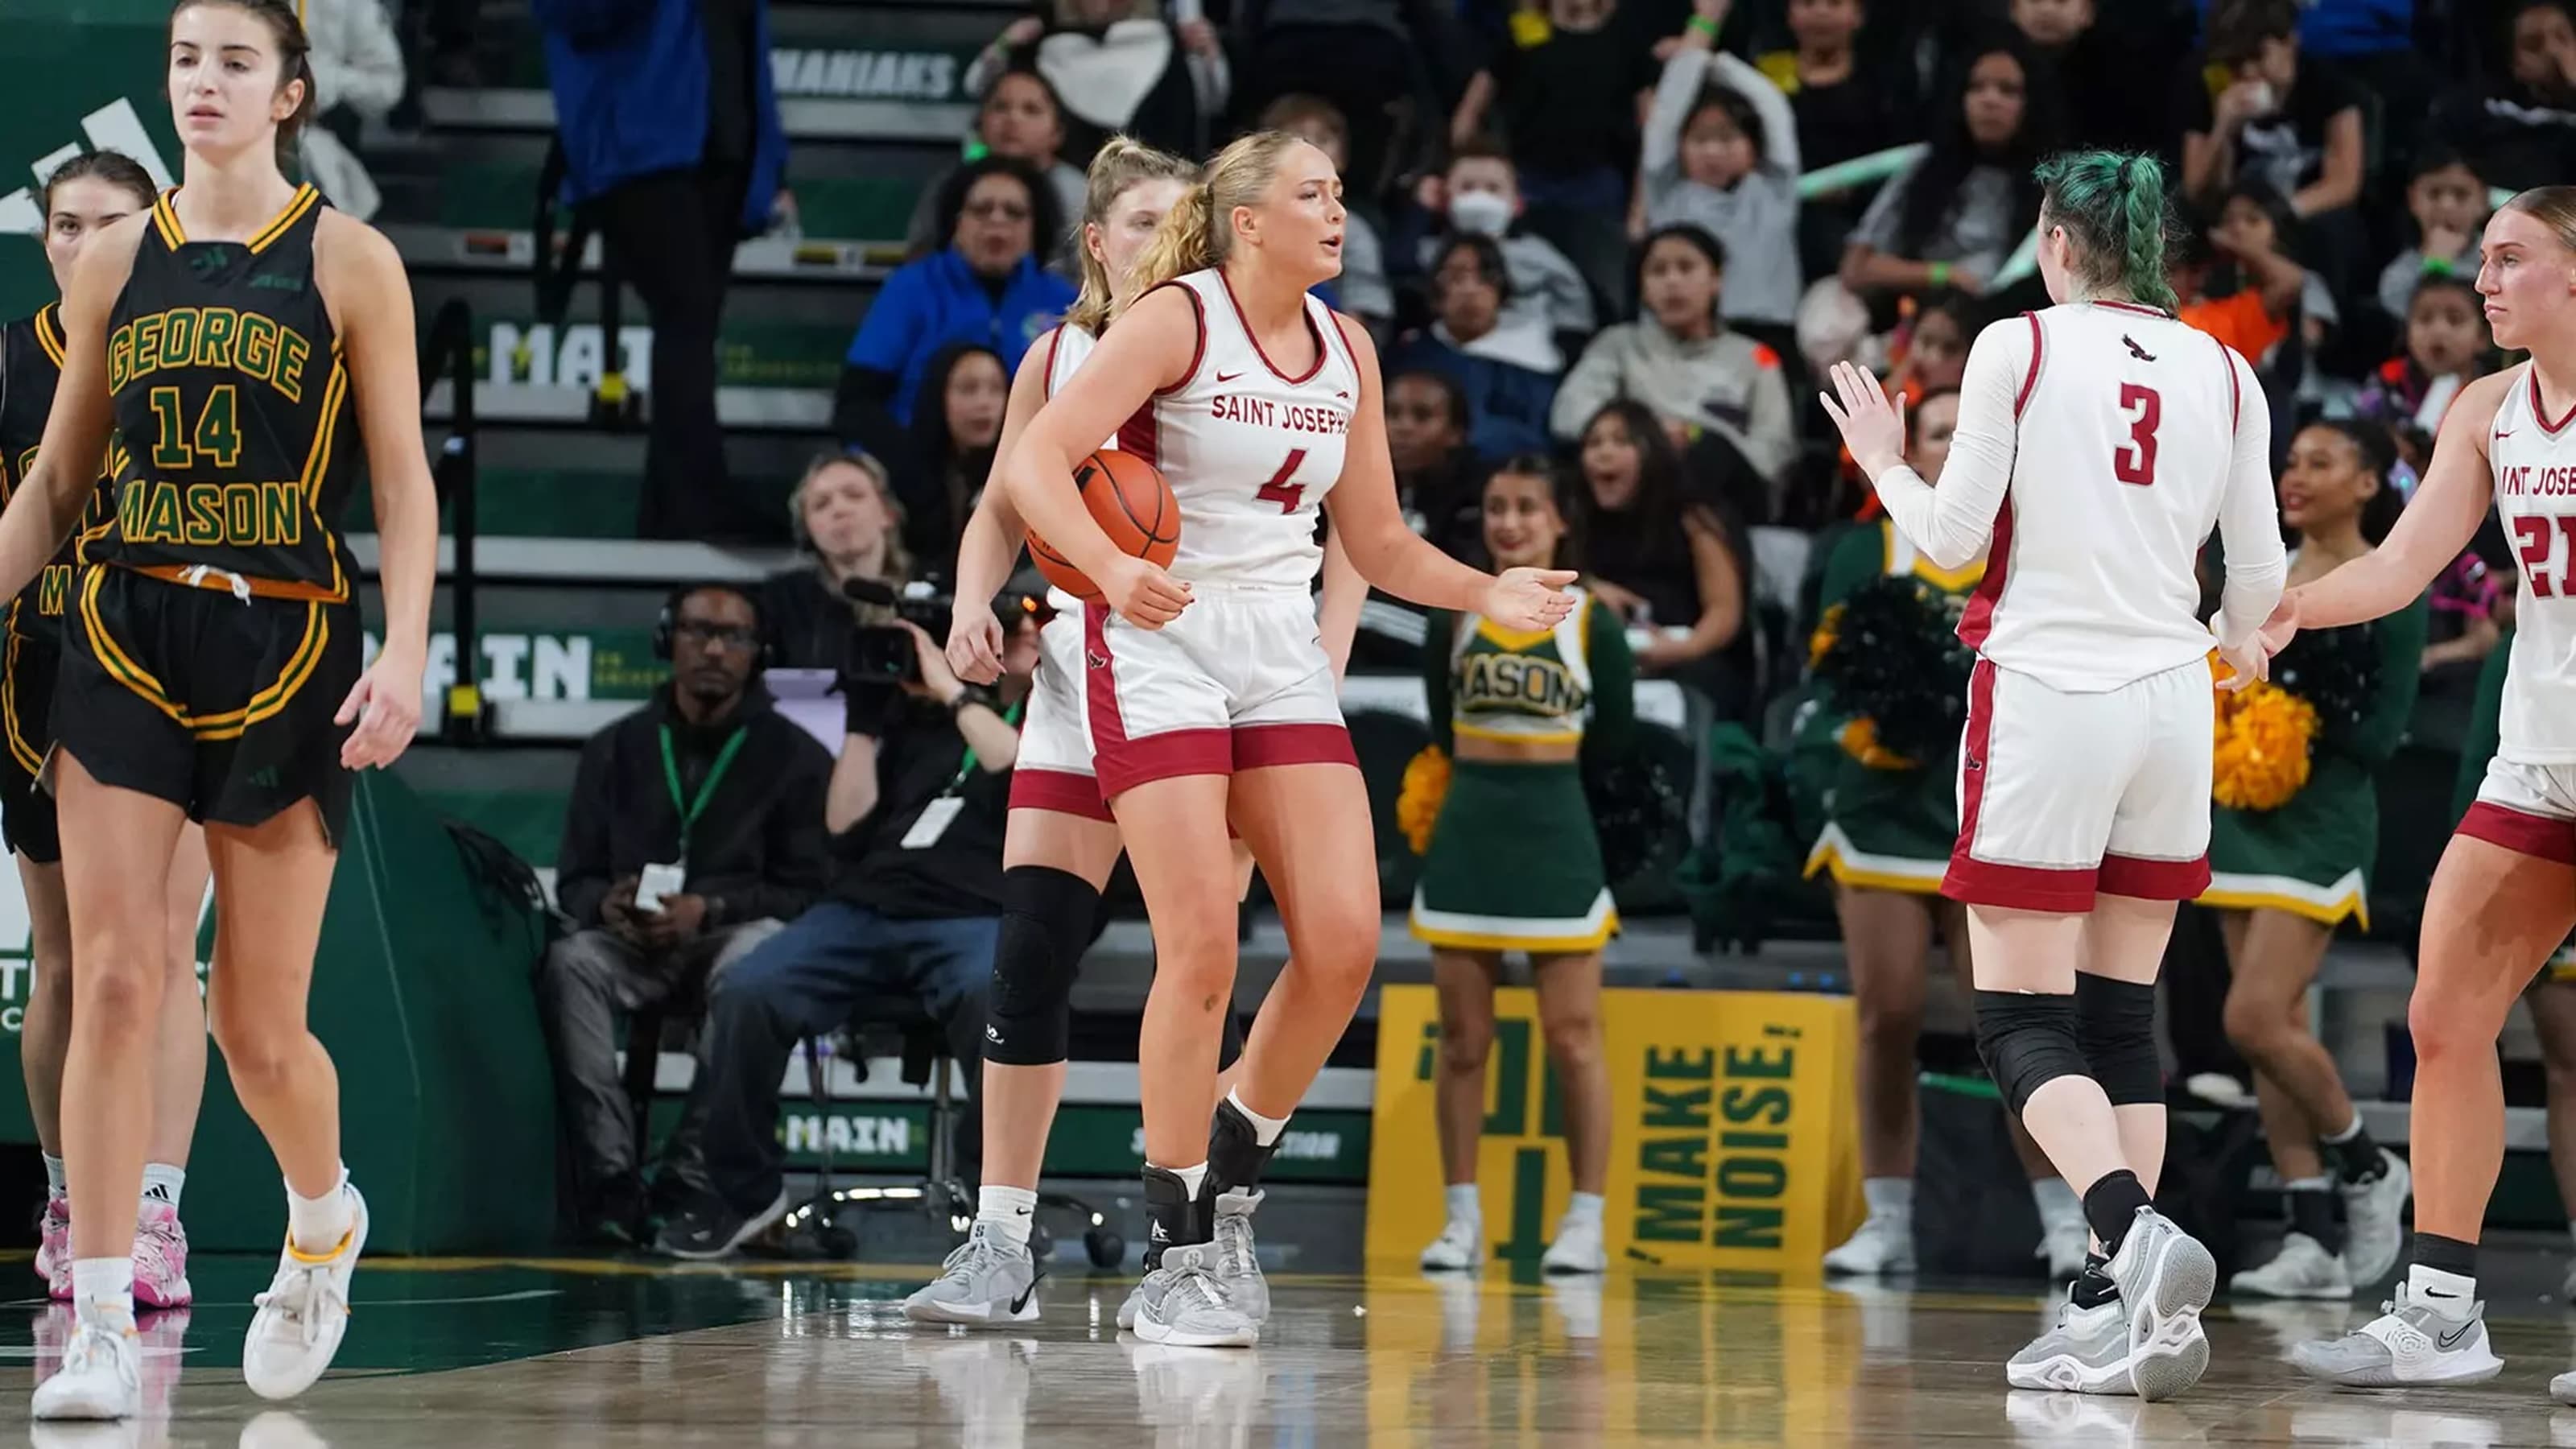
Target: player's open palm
1143 594
1528 598
1873 425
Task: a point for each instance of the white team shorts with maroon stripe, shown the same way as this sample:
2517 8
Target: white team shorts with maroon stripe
1238 682
2062 795
2529 809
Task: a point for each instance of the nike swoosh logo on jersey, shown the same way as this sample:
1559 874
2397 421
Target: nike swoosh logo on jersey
1227 376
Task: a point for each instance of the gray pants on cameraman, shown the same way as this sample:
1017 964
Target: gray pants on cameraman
587 978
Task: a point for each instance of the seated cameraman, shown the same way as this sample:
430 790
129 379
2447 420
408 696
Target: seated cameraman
692 835
914 908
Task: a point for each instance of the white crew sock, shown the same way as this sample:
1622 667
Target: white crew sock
1193 1178
2450 1294
1583 1209
1888 1197
103 1291
1466 1206
1010 1211
318 1224
163 1183
2350 1131
1265 1130
55 1182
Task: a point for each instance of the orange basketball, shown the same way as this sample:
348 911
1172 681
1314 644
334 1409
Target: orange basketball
1131 503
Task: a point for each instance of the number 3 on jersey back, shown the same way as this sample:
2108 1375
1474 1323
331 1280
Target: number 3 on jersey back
1279 490
2134 461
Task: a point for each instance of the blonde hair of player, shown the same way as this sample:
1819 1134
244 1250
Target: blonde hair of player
2492 915
1269 213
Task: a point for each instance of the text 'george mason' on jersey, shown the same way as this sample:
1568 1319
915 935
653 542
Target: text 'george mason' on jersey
2101 442
31 366
233 400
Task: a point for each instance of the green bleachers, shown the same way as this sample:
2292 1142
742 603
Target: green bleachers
502 196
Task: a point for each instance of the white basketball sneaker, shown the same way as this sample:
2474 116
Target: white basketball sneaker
2411 1342
101 1377
1578 1248
1884 1245
1460 1248
2302 1269
2166 1278
305 1312
2375 1210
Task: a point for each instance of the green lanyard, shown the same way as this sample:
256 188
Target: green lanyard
691 809
966 766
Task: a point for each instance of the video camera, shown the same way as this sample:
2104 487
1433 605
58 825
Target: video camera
885 652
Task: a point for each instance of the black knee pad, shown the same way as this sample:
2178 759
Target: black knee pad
2115 1023
2027 1040
1046 925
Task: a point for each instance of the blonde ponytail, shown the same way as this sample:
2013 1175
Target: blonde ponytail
1183 244
1198 232
1122 164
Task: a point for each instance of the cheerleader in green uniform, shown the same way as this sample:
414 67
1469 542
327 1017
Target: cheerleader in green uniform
1890 824
1513 864
2286 876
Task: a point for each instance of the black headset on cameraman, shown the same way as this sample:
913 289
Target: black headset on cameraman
666 622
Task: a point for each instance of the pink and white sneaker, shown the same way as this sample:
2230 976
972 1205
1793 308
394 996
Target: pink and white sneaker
160 1259
54 1250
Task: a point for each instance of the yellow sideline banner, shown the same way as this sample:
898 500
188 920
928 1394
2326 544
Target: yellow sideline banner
1733 1141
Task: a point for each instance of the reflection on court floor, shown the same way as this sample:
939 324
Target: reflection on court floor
521 1354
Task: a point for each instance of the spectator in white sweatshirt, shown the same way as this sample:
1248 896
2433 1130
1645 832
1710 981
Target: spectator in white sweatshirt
357 76
1721 152
1706 384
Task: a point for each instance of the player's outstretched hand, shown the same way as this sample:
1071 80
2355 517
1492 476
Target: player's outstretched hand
2283 626
385 705
1528 598
1143 594
1873 427
974 642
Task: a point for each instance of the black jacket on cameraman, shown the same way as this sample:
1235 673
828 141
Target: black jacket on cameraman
807 619
758 849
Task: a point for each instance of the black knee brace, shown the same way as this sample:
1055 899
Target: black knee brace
2115 1023
1046 925
2027 1040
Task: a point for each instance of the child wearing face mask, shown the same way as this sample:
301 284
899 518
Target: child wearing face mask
1721 152
1480 195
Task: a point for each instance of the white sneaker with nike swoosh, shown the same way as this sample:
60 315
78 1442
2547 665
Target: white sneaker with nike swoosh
2413 1341
988 1280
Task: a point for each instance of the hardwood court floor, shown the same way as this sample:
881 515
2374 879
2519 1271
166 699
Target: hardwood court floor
556 1355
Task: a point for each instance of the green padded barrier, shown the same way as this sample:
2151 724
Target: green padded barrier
421 991
844 208
536 503
748 353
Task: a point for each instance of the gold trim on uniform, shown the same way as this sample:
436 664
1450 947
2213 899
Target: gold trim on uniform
317 463
165 215
230 723
51 338
26 755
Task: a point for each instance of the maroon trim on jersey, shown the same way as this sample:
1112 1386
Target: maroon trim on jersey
1046 379
1977 620
2029 379
2153 880
1061 791
1123 763
2540 413
1981 882
2235 389
1322 349
1198 354
1142 434
2520 831
1264 746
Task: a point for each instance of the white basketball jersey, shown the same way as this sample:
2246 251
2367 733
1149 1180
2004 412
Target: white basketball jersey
1067 347
2126 430
1249 451
2535 495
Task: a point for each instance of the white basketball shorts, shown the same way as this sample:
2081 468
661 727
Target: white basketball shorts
2530 809
1237 682
2062 795
1054 770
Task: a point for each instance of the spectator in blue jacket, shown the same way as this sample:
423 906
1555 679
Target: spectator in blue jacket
985 285
671 138
1506 366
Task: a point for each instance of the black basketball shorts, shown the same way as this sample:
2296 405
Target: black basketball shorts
26 732
219 704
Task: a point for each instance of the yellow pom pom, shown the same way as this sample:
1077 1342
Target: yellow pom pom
2263 741
1417 805
1859 739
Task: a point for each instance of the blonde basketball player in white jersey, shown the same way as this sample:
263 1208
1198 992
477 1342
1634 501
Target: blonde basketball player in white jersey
1061 842
2504 895
1208 692
2097 443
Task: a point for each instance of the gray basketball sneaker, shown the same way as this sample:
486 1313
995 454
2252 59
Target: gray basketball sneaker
989 1279
2410 1342
1184 1303
2085 1352
2166 1278
1236 1266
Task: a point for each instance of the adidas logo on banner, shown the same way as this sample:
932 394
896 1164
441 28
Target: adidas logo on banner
112 127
